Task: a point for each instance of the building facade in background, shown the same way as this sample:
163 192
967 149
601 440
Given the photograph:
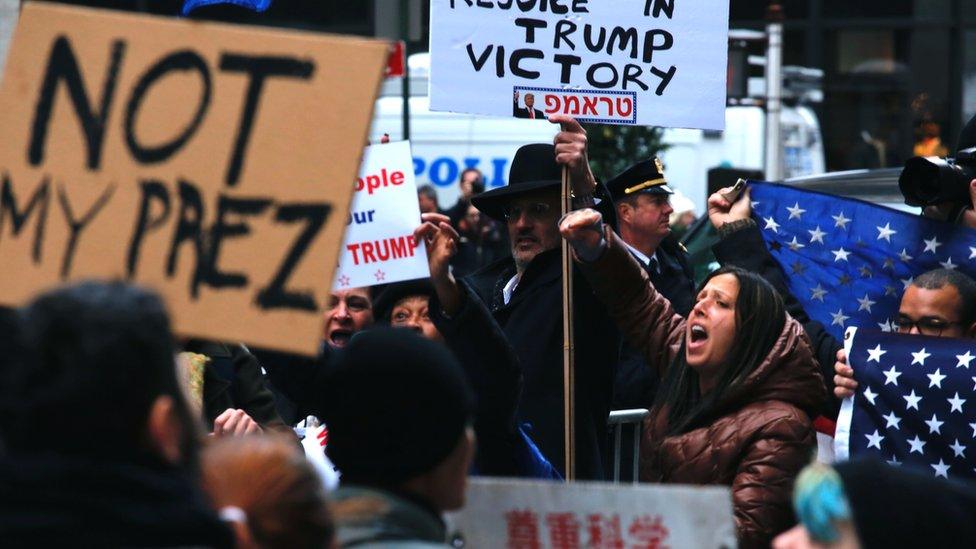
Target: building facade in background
899 75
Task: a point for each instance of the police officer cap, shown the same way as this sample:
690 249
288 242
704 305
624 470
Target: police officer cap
646 176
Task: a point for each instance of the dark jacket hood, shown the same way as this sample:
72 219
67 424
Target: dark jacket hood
788 374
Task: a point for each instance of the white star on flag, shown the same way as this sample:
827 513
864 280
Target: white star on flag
891 420
935 425
840 254
919 357
816 235
871 395
894 461
972 252
948 264
955 403
818 293
875 354
771 224
931 245
904 256
907 281
958 449
941 469
794 245
865 303
839 318
973 426
841 221
886 232
935 380
912 400
891 376
875 440
917 444
964 360
796 211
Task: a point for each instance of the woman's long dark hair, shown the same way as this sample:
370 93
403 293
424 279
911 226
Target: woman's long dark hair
759 319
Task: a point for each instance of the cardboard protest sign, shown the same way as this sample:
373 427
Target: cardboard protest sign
209 162
643 62
510 513
379 246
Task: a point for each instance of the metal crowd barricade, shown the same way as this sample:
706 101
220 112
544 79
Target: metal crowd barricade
626 431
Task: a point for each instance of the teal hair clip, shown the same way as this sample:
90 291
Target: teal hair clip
820 502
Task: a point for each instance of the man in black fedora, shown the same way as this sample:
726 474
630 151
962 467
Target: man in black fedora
524 294
641 199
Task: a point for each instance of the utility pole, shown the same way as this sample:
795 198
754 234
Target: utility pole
774 91
405 85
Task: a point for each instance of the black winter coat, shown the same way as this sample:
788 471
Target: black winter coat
52 500
533 324
493 370
233 379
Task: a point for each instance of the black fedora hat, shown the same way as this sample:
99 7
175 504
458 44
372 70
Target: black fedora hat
533 168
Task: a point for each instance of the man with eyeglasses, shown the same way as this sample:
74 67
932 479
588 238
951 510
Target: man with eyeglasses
524 294
939 303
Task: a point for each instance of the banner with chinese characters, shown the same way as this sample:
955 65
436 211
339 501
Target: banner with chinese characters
652 62
517 513
379 246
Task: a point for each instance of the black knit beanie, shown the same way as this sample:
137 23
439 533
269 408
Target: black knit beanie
902 507
395 404
393 293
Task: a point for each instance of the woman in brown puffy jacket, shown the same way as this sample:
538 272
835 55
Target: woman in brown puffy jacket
739 382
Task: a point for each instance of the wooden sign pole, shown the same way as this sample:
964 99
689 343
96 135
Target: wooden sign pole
569 365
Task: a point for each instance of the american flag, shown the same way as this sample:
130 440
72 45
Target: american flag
849 261
915 403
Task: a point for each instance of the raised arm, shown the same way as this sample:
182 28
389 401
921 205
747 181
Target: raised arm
480 345
741 245
644 316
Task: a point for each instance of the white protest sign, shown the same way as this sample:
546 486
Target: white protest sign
639 62
379 246
538 514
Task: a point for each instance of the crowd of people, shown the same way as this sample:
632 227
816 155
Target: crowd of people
115 433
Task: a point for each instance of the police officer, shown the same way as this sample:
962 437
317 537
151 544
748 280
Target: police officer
641 197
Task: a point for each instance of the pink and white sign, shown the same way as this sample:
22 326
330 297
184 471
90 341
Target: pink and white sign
379 246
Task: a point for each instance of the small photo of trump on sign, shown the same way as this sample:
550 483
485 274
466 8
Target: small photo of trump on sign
528 110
